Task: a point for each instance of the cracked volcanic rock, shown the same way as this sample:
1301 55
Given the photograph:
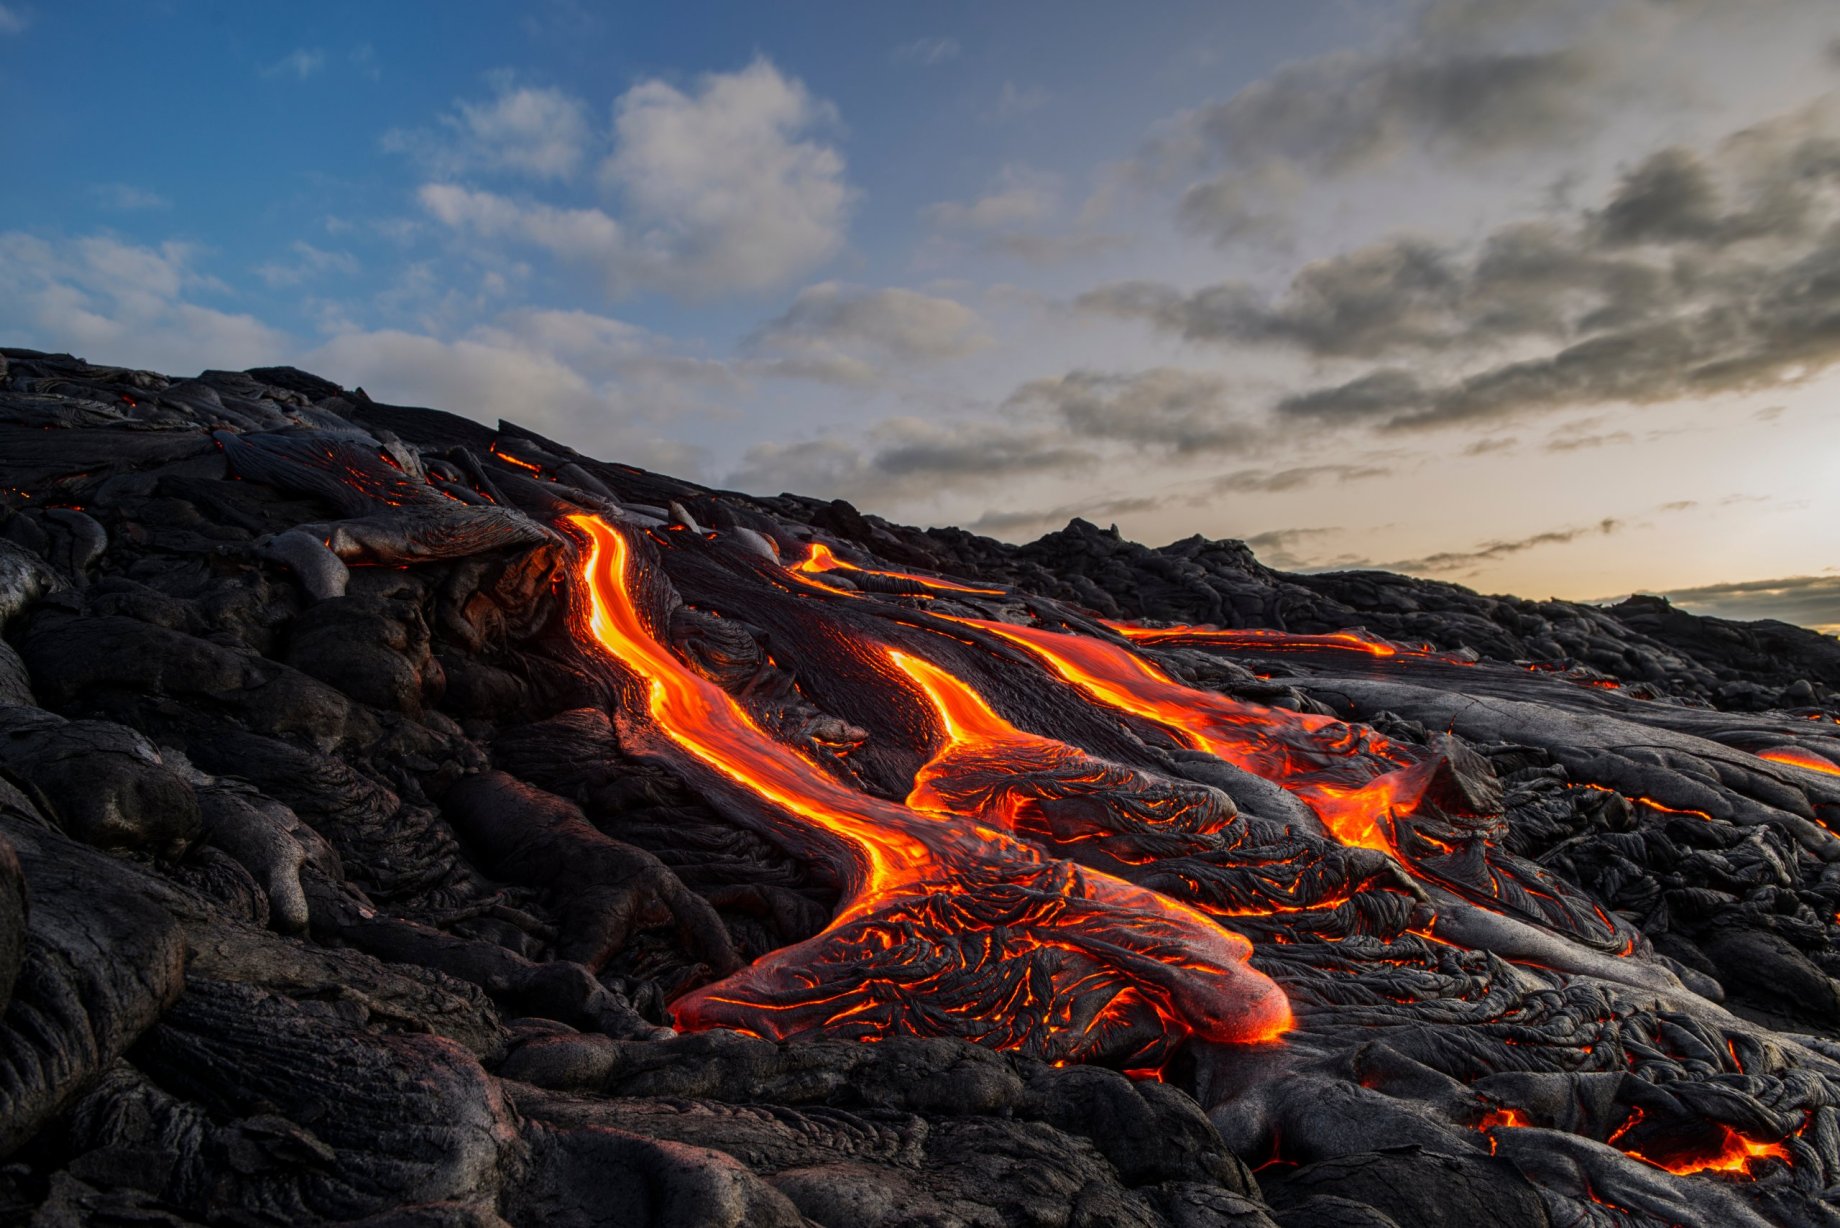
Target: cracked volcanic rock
359 863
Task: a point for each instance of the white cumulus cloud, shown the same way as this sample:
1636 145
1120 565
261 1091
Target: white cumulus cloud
123 302
301 63
727 187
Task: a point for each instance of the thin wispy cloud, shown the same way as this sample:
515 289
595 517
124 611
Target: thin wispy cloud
128 197
1014 101
1018 196
1280 547
297 65
538 132
837 333
305 263
363 59
1446 561
927 52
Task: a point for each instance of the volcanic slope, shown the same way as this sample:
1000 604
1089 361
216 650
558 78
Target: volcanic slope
409 822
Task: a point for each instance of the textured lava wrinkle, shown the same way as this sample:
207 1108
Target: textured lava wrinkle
950 926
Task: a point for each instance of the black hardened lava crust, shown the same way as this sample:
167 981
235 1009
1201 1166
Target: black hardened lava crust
347 877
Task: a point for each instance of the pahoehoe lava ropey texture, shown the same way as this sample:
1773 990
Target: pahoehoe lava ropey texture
409 822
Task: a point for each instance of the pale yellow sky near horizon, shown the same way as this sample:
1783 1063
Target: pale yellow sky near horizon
1764 503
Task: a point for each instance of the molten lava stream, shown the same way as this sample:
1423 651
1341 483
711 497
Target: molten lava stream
1047 792
1736 1153
1352 779
1363 788
949 927
1795 756
821 560
1736 1156
1261 639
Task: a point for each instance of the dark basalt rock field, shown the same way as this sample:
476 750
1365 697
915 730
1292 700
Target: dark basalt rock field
409 822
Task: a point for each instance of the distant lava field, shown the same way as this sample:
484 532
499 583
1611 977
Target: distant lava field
408 822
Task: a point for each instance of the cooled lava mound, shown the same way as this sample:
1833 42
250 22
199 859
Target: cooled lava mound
407 822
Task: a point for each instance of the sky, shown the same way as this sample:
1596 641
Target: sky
1535 296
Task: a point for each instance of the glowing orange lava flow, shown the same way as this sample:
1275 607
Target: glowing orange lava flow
821 560
1503 1117
1737 1156
1649 802
1260 639
1351 777
1795 756
1050 793
949 926
1428 809
963 714
513 460
710 726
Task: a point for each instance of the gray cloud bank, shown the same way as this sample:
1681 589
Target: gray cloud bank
1701 273
1488 552
1807 601
1060 425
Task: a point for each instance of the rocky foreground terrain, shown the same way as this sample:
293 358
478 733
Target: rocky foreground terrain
409 822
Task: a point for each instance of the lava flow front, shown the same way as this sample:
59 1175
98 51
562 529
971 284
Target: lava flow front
950 926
